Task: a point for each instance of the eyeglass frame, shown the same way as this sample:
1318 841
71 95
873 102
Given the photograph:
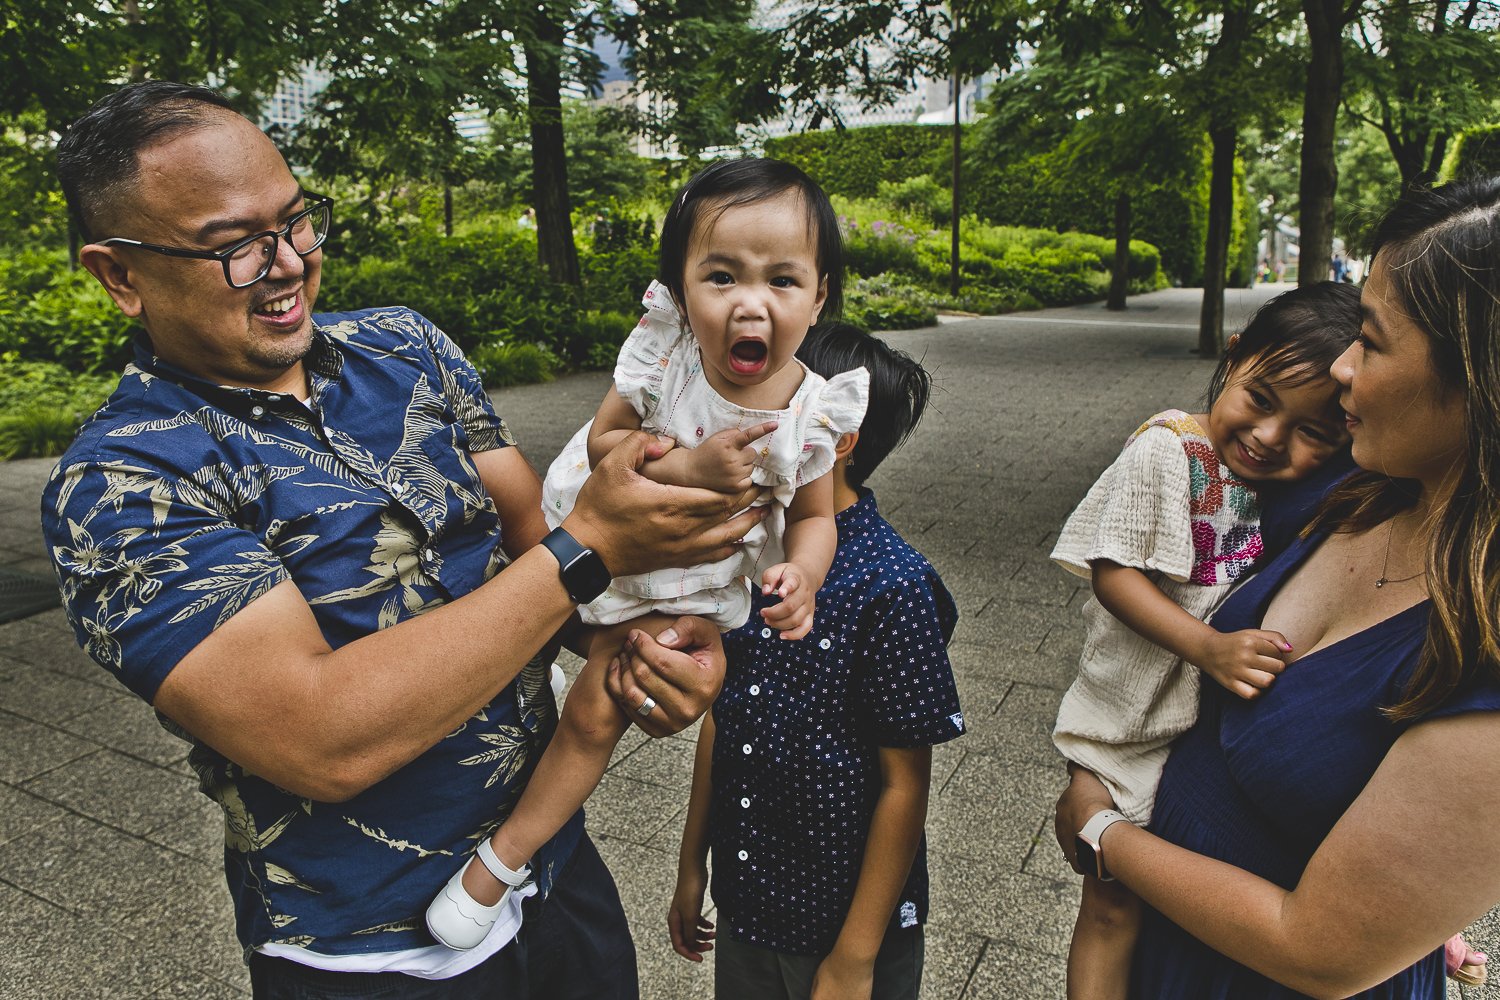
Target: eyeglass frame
223 256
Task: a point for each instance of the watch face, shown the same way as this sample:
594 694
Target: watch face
1088 858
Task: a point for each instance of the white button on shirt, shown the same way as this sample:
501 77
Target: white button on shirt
755 689
744 803
746 748
765 633
744 855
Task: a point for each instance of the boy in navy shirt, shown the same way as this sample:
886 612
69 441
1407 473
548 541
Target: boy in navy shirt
811 778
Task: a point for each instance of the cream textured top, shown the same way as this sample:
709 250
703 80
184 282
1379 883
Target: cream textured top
1168 507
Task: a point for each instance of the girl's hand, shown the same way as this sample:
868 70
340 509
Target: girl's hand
839 978
724 461
692 932
794 615
1084 796
1245 662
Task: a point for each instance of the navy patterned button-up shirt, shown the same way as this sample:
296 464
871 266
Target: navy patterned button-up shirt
181 502
798 731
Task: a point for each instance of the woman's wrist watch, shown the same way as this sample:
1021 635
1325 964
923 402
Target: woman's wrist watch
584 575
1090 854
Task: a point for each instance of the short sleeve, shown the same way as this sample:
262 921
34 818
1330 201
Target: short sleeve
149 564
834 408
657 341
1137 513
463 390
906 693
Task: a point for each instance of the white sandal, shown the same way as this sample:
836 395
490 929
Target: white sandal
459 921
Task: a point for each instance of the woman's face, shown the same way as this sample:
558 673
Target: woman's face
1403 421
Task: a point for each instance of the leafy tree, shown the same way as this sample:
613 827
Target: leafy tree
1326 22
1423 72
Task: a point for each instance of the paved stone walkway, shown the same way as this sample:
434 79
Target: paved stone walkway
110 878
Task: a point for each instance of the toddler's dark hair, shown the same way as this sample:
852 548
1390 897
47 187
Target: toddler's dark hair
732 183
99 154
1295 337
899 389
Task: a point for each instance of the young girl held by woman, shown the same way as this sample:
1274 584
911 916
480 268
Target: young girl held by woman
1162 536
750 258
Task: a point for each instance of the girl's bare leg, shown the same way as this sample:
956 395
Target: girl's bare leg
575 760
1109 920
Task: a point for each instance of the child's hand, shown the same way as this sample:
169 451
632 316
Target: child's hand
794 615
692 932
1246 662
724 461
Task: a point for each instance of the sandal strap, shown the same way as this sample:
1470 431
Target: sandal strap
491 860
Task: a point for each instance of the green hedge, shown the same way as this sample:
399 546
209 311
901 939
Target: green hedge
854 162
1476 153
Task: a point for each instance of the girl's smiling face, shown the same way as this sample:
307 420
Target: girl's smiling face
1267 430
753 289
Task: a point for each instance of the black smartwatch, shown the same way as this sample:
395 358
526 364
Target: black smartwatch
583 573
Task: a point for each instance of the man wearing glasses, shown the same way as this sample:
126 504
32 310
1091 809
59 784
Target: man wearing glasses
309 543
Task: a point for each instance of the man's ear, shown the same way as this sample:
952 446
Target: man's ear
106 264
845 445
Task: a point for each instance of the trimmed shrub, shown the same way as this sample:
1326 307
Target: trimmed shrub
1476 153
42 405
853 162
502 364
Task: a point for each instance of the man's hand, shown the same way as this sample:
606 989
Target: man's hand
692 933
636 525
681 670
1245 662
723 462
794 614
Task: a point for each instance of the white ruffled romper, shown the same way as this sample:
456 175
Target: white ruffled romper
660 373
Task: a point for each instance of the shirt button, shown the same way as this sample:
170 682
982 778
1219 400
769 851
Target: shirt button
765 633
755 689
273 398
257 412
824 644
746 748
744 855
744 803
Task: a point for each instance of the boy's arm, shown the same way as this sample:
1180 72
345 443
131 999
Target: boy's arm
692 934
895 831
1245 662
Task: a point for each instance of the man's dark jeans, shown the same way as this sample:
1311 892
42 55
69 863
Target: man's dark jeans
574 945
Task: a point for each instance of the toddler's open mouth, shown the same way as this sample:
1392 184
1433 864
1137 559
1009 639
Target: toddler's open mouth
748 357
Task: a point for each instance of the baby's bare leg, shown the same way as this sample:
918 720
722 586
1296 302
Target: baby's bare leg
590 726
1109 921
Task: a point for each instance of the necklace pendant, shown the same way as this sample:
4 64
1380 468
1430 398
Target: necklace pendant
1380 583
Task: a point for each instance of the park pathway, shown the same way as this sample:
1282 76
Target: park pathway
110 877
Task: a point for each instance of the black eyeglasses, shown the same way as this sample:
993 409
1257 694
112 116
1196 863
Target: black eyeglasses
248 260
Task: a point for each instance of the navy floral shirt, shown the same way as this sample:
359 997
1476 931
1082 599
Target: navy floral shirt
798 731
181 502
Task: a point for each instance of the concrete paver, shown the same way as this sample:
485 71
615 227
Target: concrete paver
110 878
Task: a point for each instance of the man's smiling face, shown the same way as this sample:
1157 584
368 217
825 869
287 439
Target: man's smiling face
205 189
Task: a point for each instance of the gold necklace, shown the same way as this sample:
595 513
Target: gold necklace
1385 563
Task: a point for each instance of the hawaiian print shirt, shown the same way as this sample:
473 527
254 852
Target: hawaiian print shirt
181 502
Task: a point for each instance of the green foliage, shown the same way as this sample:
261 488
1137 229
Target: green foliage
42 405
854 162
920 196
503 364
1476 153
49 313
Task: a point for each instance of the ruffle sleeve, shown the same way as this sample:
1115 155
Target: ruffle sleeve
657 341
834 409
1136 514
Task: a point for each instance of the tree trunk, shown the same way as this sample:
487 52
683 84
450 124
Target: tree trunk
73 243
447 210
1320 105
1216 253
958 138
549 174
1119 275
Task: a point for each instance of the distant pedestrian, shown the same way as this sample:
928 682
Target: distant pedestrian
527 219
1163 535
1340 267
811 780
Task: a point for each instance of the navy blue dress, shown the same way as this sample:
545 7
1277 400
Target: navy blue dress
1259 784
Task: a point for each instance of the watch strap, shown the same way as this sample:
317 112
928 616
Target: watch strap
583 573
1094 829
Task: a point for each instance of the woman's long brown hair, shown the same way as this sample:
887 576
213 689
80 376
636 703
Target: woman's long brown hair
1441 251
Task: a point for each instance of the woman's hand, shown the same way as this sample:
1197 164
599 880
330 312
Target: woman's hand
841 978
1084 796
681 670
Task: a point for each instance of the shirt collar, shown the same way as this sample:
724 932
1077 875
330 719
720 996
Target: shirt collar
859 517
323 360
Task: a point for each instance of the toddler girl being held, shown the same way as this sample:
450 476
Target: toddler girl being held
1162 536
750 258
